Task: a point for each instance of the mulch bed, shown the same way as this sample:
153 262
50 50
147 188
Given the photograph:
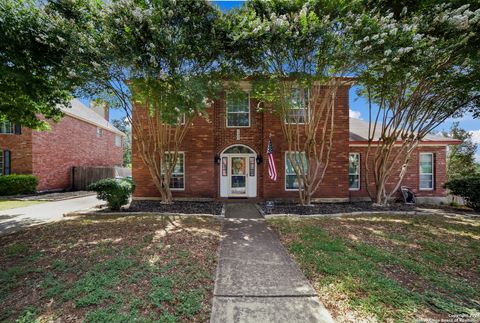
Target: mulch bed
332 208
186 207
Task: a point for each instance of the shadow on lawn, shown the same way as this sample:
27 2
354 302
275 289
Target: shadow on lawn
110 269
389 268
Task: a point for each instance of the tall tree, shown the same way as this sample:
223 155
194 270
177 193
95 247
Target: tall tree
298 55
42 57
416 71
461 158
158 62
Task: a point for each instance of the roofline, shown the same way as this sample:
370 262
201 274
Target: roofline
73 115
361 143
347 80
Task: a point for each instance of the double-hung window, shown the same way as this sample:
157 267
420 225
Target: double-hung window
426 171
6 127
1 163
177 180
298 110
238 110
291 178
354 171
5 162
118 141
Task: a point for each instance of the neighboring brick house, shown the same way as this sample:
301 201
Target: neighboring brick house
226 158
82 137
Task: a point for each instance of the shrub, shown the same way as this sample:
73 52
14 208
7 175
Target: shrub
115 192
468 188
18 184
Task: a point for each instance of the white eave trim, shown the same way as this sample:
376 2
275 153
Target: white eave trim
423 144
115 131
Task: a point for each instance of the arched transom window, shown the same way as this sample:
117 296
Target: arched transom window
238 150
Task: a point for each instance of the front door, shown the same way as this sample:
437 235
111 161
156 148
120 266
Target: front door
238 175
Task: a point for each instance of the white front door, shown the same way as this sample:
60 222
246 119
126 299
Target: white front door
238 175
238 172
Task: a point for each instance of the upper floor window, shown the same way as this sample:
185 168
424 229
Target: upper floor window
291 178
298 111
238 110
99 132
426 171
177 180
118 140
6 127
354 171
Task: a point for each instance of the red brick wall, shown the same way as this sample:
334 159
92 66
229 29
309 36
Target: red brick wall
335 184
205 140
71 142
21 150
411 178
199 152
251 137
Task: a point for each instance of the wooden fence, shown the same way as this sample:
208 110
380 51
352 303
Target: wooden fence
85 175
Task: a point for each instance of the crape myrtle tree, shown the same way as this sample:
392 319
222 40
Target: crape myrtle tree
296 55
44 57
158 62
416 71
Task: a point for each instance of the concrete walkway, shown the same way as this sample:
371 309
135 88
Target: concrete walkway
256 280
14 219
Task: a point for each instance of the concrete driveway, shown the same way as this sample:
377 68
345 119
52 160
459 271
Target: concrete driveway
14 219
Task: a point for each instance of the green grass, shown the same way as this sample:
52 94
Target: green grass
389 268
109 270
6 205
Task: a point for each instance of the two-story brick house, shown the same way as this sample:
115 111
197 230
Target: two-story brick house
83 137
226 158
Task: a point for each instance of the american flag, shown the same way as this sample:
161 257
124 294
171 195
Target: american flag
272 170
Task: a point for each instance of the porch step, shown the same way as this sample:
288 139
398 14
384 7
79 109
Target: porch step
241 211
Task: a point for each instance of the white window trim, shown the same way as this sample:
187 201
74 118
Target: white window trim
226 113
99 132
420 172
359 174
285 173
184 177
307 110
12 128
118 137
183 119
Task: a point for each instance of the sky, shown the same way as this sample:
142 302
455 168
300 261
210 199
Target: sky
358 105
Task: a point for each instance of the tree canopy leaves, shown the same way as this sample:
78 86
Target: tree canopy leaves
42 60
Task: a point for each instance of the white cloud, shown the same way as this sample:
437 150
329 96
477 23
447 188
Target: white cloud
475 136
355 114
476 139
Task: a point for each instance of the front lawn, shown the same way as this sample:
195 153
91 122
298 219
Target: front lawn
115 269
389 268
6 205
